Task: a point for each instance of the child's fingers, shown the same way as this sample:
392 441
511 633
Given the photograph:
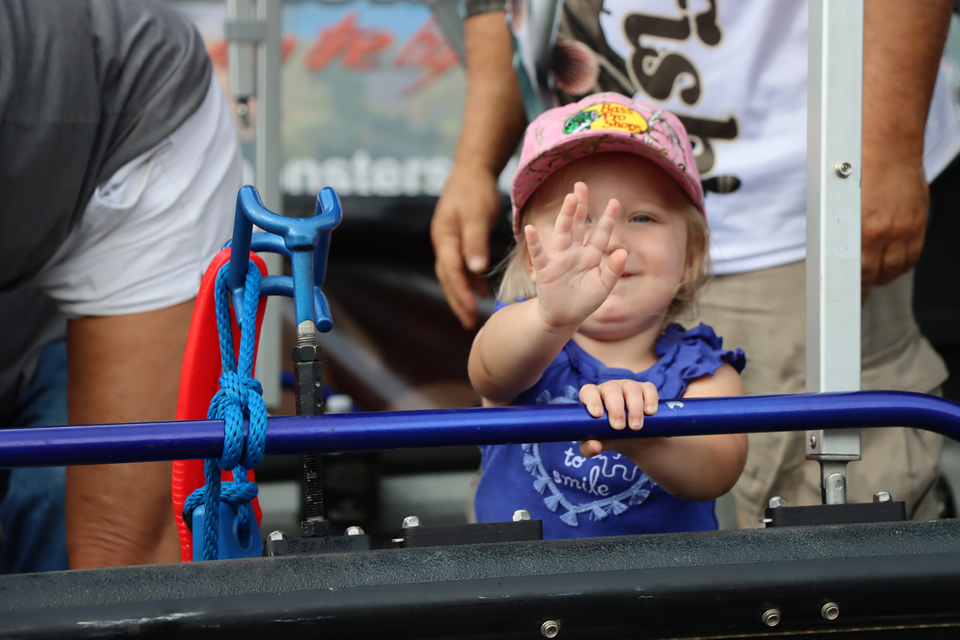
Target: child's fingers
538 257
600 236
580 215
633 393
562 228
590 396
613 269
612 395
651 398
590 448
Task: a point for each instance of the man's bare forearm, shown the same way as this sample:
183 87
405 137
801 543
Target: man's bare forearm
493 118
123 369
903 43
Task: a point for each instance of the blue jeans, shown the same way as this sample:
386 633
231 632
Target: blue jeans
32 513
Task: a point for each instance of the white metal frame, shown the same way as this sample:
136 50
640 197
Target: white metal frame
834 120
253 30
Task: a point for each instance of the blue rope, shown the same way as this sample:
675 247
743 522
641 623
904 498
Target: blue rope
239 396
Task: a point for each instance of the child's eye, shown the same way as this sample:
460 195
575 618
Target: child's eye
640 217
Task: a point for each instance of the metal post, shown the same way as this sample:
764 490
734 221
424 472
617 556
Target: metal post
268 184
834 116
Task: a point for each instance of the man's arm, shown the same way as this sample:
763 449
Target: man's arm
903 42
123 369
493 122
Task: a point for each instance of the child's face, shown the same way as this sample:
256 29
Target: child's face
651 227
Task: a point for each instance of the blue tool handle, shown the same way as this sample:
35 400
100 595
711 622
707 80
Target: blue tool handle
306 241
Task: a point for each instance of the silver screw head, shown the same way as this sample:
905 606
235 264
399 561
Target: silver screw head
276 536
411 521
830 611
550 629
843 169
813 440
881 496
771 617
776 502
521 514
354 531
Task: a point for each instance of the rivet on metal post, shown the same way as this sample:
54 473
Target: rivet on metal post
830 611
771 617
843 169
776 502
521 514
813 441
550 629
882 496
411 521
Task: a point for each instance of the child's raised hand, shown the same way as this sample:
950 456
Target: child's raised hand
623 400
572 280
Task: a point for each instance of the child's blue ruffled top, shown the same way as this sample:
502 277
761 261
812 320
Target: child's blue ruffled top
608 494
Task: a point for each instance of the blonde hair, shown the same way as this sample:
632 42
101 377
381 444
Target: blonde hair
516 284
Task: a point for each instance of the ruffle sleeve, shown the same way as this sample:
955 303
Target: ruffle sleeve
685 355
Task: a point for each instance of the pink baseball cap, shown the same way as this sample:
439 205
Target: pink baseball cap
599 123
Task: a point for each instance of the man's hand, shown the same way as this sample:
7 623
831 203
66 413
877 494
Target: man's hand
493 123
902 45
460 230
895 201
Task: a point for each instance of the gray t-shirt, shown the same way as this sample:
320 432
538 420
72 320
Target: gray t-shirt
85 87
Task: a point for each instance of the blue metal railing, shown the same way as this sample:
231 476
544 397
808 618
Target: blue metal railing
188 439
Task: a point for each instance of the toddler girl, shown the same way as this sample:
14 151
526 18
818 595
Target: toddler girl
611 243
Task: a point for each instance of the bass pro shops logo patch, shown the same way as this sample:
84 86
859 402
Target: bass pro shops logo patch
607 115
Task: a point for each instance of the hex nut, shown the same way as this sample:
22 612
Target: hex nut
411 521
315 527
304 353
776 502
521 514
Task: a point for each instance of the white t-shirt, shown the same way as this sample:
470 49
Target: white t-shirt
736 71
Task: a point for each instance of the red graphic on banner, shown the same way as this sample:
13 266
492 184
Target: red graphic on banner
218 50
427 49
359 48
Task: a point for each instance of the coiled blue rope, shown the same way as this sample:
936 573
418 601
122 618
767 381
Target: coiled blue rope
239 397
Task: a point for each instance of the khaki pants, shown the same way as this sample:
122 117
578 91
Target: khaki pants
763 312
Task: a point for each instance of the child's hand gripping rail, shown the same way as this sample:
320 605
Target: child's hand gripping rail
306 242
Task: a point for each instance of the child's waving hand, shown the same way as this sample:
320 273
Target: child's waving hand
571 279
623 400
